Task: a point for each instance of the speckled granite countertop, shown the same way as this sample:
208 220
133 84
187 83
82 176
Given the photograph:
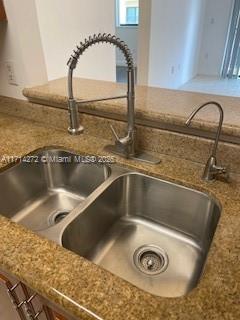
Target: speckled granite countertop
154 105
84 289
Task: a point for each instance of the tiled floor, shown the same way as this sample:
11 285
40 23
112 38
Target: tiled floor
214 85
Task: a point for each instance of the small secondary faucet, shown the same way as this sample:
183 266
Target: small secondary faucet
212 170
125 146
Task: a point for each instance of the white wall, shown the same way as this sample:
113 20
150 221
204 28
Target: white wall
216 23
144 32
20 43
41 34
176 31
130 36
64 23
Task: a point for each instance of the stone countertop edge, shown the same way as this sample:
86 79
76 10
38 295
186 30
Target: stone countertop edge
155 105
87 291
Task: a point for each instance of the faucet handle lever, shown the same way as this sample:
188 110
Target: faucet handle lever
219 169
222 171
115 133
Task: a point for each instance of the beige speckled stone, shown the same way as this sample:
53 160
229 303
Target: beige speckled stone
83 288
157 105
154 140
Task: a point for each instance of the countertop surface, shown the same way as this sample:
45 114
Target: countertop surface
86 290
169 107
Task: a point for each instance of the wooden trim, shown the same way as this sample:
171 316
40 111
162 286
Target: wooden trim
2 11
5 281
58 316
53 314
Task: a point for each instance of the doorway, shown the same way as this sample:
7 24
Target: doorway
127 21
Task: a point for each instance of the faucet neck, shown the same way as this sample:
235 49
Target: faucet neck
127 142
131 100
219 129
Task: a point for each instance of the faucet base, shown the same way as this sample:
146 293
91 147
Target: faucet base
139 156
76 131
212 171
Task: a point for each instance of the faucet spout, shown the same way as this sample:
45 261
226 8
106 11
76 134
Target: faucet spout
211 169
219 107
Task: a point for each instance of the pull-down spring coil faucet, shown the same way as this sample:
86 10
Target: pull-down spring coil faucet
123 146
129 140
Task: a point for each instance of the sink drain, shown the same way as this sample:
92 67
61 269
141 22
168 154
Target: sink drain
150 259
58 216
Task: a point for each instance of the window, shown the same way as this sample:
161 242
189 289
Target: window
231 63
132 15
127 12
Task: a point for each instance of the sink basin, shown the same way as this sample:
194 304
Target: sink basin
150 232
40 193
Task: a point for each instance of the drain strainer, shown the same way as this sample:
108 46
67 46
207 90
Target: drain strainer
57 217
150 259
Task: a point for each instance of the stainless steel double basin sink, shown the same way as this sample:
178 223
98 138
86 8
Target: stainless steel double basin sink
152 233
